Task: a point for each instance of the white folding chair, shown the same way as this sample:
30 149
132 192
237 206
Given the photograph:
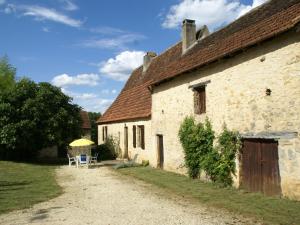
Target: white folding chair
71 160
94 159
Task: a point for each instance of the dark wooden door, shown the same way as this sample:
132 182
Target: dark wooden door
125 142
260 170
160 151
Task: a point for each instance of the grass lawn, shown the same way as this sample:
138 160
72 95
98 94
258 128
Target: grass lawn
22 185
266 209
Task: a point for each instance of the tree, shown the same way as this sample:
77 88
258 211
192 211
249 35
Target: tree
94 116
34 116
7 74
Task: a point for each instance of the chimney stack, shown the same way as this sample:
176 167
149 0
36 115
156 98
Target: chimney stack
188 34
147 60
202 33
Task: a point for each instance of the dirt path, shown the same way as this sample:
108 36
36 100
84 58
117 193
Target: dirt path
99 196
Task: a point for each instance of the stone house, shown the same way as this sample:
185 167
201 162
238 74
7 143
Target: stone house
245 75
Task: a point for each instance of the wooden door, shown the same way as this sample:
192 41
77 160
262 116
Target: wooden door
160 151
260 170
125 142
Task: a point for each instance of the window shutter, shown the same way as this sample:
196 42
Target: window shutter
196 102
142 137
202 100
199 100
103 134
134 136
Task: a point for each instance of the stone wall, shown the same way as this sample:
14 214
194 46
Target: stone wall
117 131
236 96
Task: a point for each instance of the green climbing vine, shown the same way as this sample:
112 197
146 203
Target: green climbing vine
218 162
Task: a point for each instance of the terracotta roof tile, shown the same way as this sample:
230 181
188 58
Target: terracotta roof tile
132 103
260 24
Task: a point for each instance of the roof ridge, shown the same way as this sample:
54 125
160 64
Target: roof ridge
263 22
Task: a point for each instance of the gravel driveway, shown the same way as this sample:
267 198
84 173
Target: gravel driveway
100 196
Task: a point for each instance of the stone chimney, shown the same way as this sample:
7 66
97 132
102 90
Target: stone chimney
147 60
188 34
203 32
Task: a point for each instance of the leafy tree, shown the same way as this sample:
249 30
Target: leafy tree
34 116
7 74
94 116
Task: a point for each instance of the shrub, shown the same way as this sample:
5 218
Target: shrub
228 146
197 141
200 154
145 163
110 150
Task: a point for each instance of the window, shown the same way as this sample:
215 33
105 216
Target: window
134 136
199 100
141 136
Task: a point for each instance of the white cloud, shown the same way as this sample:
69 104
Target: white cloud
98 105
250 7
119 42
78 96
108 91
42 13
69 5
89 101
107 30
213 13
10 8
120 67
63 80
258 2
86 96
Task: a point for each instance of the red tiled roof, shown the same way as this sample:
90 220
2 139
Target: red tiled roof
85 120
262 23
266 21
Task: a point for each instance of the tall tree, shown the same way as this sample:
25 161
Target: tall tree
94 116
34 116
7 74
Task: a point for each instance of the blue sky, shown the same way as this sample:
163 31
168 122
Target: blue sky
88 48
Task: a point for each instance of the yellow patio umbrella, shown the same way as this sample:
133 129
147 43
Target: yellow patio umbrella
81 142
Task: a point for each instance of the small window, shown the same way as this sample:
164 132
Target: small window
199 100
134 136
141 136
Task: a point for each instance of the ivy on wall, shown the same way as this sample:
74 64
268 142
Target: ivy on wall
218 162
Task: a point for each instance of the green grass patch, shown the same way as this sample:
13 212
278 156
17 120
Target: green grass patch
266 209
22 185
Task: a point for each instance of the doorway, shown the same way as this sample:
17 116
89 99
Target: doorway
260 169
160 151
